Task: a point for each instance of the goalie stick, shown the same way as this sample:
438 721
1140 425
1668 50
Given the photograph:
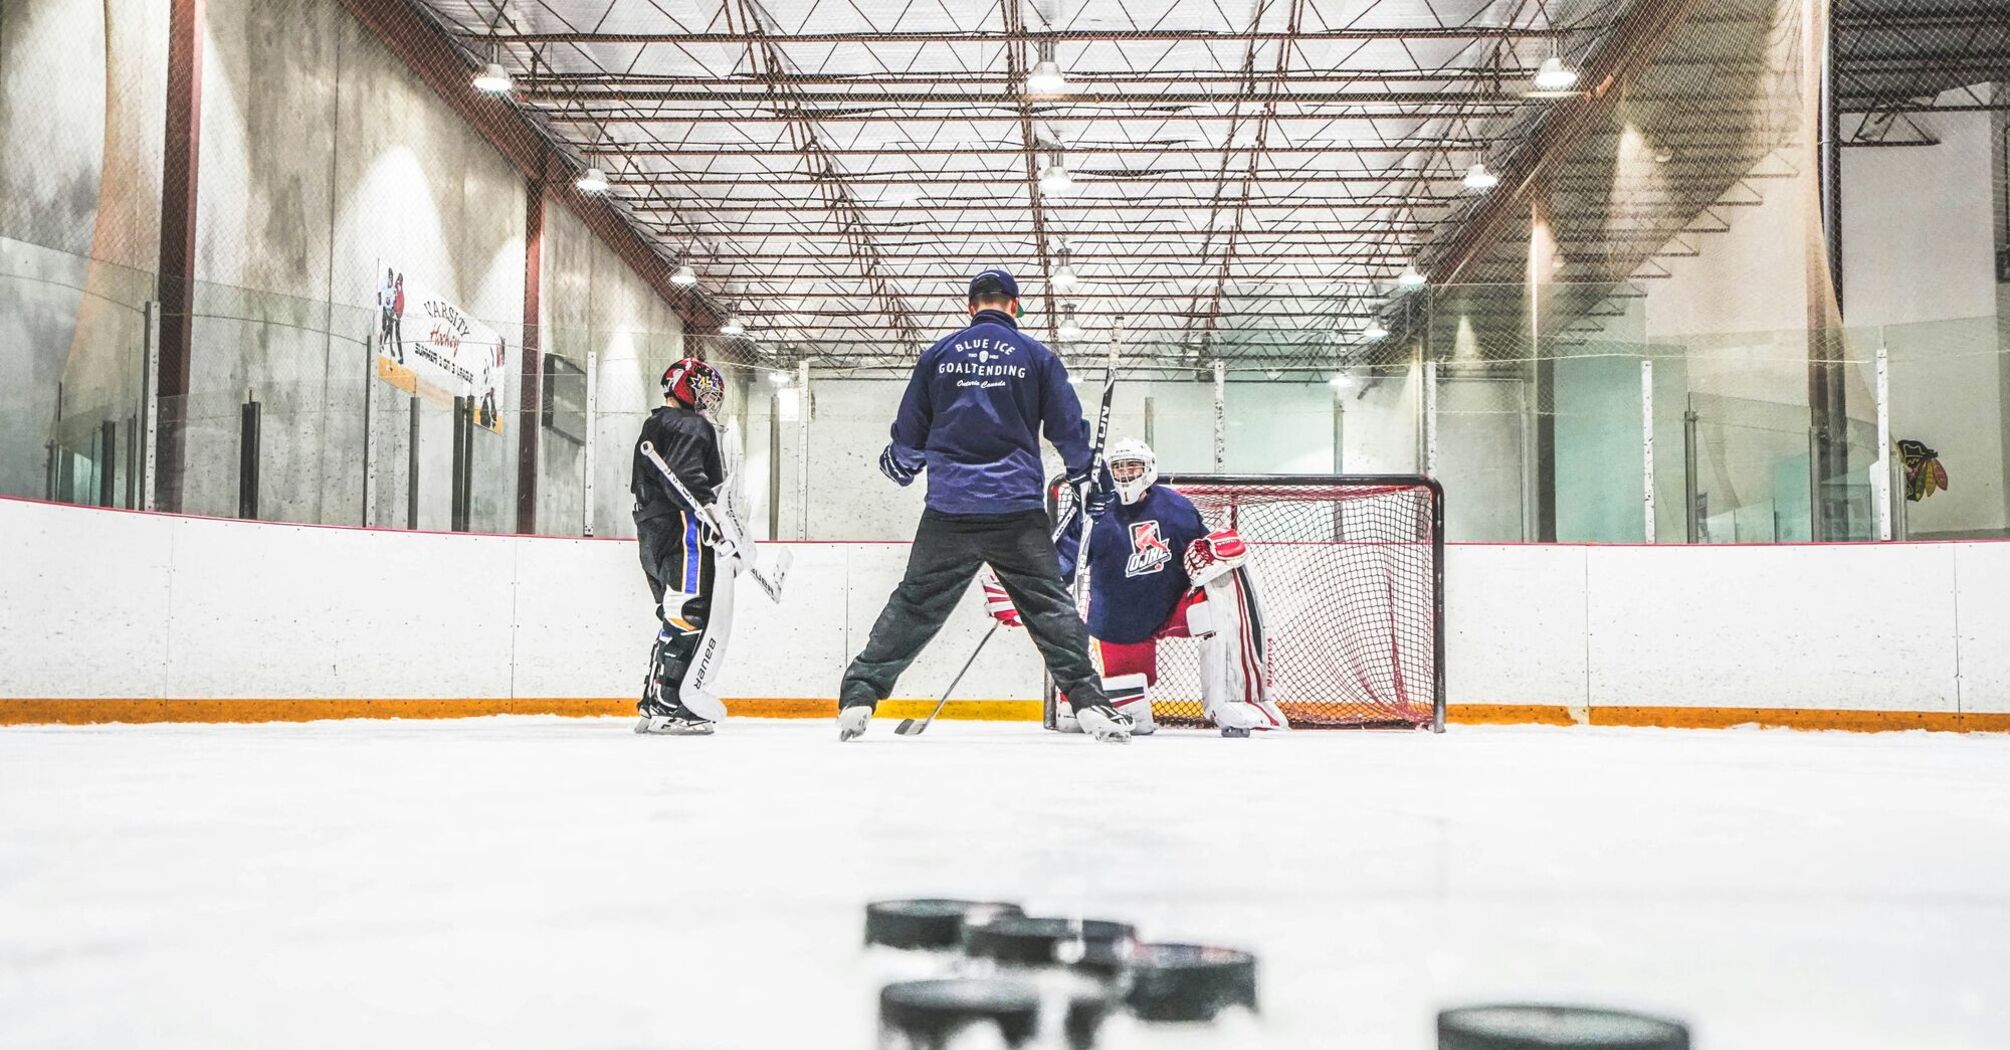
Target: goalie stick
916 726
729 539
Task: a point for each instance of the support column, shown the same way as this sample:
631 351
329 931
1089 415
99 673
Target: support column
1828 408
1542 259
180 162
1220 413
530 384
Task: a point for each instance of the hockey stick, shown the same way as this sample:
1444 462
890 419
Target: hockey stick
729 540
1075 507
915 727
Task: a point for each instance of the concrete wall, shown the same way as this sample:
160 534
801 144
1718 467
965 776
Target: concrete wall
1919 277
318 171
82 92
594 304
386 615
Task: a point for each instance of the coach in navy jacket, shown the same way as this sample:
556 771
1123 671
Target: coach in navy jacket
973 415
971 418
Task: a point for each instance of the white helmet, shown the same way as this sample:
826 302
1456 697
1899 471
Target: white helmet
1131 450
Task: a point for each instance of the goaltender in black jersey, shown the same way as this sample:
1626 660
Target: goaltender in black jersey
677 552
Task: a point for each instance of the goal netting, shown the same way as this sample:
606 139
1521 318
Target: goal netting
1348 574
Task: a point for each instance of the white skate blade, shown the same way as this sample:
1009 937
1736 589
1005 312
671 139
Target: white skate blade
852 722
670 725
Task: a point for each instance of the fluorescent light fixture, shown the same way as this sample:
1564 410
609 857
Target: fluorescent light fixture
732 326
1374 331
1069 328
1553 75
684 276
493 79
1411 277
1479 179
592 180
1046 78
1054 178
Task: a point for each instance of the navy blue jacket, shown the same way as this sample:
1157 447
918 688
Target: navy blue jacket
973 415
1137 563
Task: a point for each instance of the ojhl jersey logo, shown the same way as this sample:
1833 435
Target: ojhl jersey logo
1149 552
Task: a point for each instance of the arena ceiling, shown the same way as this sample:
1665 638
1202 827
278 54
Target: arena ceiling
1244 178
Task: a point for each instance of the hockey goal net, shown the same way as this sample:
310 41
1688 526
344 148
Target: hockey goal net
1348 572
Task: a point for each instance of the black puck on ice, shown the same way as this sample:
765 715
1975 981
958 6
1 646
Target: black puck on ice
1234 731
930 1013
928 922
1027 941
1189 982
1529 1026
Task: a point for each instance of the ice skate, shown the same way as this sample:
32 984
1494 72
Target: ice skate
678 720
852 721
1104 723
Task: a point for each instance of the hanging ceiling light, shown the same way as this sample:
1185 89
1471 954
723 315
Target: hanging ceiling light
732 326
1063 275
1046 78
1069 328
1553 75
493 78
684 276
1341 381
592 180
1479 179
1411 277
1374 331
1054 178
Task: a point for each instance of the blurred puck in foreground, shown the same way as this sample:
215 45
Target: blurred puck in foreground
1534 1027
1027 941
928 1014
929 922
1189 982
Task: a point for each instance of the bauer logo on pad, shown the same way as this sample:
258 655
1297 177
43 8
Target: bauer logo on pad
1149 552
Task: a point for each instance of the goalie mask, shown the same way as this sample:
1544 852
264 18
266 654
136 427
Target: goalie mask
1133 468
694 384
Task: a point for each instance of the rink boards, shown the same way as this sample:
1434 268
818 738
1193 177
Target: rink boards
134 617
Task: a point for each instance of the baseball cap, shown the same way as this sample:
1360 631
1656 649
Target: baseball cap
995 281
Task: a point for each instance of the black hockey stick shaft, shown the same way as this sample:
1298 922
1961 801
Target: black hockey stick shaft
910 727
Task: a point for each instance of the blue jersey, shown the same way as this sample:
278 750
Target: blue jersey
973 415
1137 563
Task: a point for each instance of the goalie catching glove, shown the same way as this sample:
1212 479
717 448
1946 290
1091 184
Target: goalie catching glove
997 602
1214 554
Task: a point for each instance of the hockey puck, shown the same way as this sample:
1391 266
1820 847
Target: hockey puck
928 1014
1234 732
1188 982
1528 1026
1027 941
928 922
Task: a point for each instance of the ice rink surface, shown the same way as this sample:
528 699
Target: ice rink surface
543 882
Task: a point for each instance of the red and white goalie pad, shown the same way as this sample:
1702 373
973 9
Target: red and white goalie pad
997 602
1234 657
1212 555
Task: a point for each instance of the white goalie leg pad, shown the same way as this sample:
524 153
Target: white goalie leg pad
700 690
1130 694
1234 663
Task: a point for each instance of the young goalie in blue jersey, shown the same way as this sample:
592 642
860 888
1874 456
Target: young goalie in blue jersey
1157 571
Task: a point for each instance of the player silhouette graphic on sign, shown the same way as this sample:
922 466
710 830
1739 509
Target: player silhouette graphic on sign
1149 552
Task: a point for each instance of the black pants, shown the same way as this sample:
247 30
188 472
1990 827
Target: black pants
680 571
948 550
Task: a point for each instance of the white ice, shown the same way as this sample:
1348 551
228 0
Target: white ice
541 882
